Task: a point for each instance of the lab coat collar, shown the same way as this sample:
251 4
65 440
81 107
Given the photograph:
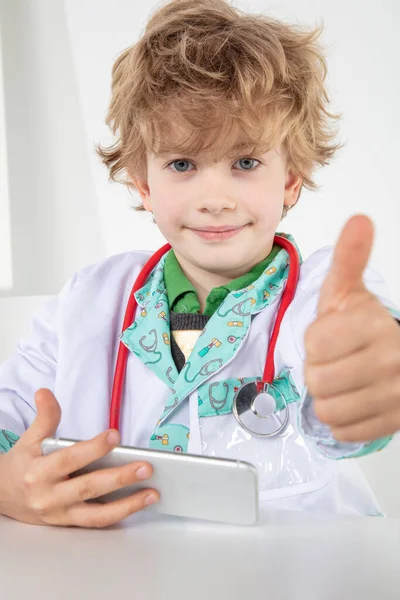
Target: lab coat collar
149 335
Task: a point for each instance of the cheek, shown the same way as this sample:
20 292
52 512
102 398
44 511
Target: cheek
266 206
166 213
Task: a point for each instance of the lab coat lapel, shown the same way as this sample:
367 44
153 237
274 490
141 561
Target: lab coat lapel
149 335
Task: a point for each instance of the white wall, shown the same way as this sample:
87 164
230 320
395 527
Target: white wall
57 62
55 227
6 280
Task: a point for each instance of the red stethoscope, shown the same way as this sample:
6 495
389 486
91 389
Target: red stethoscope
253 406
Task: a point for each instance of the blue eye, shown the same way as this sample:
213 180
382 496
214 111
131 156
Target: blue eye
248 160
180 164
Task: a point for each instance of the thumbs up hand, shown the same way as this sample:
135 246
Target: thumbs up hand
352 365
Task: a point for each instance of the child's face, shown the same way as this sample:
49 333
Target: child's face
246 192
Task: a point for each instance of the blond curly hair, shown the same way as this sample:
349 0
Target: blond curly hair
220 73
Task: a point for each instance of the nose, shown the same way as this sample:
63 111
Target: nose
216 202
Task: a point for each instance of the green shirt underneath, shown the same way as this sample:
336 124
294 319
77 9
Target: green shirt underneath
182 295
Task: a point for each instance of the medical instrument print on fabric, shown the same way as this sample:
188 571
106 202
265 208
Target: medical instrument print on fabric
7 440
196 371
240 293
152 348
164 438
284 384
217 405
237 309
205 370
169 407
214 342
168 373
173 437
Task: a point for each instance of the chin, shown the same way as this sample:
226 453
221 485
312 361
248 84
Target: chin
220 266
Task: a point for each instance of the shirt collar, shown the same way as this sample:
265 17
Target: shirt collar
175 280
177 284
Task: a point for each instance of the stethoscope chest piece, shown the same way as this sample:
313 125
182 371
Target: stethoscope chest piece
256 410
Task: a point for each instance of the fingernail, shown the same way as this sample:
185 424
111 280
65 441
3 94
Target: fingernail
150 499
113 438
143 473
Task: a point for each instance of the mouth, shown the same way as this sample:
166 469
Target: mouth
217 233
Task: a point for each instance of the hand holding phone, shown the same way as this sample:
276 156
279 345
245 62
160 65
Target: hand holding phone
195 486
38 489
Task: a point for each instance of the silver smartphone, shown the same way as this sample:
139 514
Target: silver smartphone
199 487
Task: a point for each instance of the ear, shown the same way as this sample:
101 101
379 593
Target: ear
144 191
292 188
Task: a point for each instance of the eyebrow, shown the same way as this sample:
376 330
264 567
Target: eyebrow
236 147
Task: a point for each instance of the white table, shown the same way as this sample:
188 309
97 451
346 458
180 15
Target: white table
288 555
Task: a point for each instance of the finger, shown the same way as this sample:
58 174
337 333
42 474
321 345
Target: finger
350 258
355 407
337 334
48 416
354 372
357 371
96 484
65 461
103 515
366 431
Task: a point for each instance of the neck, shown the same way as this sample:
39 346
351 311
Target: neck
205 281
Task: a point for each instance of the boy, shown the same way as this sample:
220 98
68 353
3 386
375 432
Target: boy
221 119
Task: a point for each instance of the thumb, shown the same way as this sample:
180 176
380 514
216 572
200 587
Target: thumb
350 258
48 416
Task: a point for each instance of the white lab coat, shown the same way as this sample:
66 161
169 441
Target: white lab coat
73 350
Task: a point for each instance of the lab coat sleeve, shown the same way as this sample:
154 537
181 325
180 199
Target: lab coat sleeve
310 426
32 366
